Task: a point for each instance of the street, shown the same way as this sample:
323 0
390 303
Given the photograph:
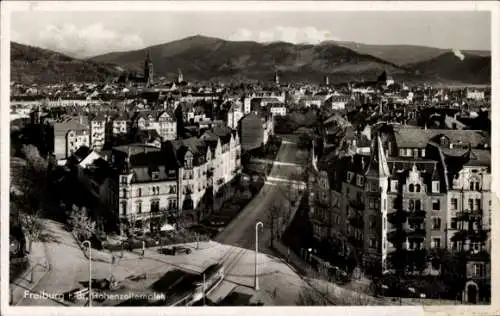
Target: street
241 231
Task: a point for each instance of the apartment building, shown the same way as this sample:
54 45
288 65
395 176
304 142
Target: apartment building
163 123
70 134
234 115
148 187
419 189
255 130
97 131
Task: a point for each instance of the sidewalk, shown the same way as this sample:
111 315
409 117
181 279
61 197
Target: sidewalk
333 293
39 265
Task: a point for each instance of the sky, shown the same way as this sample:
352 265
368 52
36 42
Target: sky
85 34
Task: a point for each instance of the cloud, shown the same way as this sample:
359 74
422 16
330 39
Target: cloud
458 54
295 35
89 41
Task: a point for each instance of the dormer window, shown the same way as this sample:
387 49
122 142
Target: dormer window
435 187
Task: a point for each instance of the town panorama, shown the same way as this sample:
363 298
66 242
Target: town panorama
142 184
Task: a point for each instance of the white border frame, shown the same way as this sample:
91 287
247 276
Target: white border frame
286 6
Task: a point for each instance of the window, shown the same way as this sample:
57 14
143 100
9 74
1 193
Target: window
477 186
471 186
139 207
371 203
172 204
124 208
478 270
422 152
373 222
435 186
155 175
415 153
394 185
349 176
360 181
155 206
411 205
373 243
139 192
123 179
453 223
436 223
173 189
418 206
436 205
471 204
408 152
417 188
454 204
124 192
477 204
436 243
411 188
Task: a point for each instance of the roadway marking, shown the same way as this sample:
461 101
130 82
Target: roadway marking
278 163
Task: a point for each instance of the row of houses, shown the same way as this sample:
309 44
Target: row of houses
416 189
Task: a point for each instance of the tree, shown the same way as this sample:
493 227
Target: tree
31 181
82 225
275 214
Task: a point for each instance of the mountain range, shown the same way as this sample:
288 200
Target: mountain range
205 58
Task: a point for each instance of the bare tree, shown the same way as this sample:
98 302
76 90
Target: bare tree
275 215
83 226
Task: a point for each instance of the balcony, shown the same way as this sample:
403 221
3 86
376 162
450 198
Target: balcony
416 217
469 216
416 233
479 235
397 217
357 204
397 236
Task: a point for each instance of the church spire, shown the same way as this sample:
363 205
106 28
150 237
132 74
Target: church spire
148 69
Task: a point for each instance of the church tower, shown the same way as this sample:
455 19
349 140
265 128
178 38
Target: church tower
276 78
148 69
180 76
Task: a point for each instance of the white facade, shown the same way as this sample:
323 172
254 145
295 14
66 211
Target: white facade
76 139
278 110
97 134
140 202
475 95
233 118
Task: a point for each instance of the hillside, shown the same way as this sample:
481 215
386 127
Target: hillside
36 65
205 58
404 54
448 67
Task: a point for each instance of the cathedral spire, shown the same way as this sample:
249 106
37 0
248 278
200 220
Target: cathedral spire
148 69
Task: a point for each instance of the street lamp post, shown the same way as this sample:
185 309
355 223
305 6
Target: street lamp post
87 243
257 225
